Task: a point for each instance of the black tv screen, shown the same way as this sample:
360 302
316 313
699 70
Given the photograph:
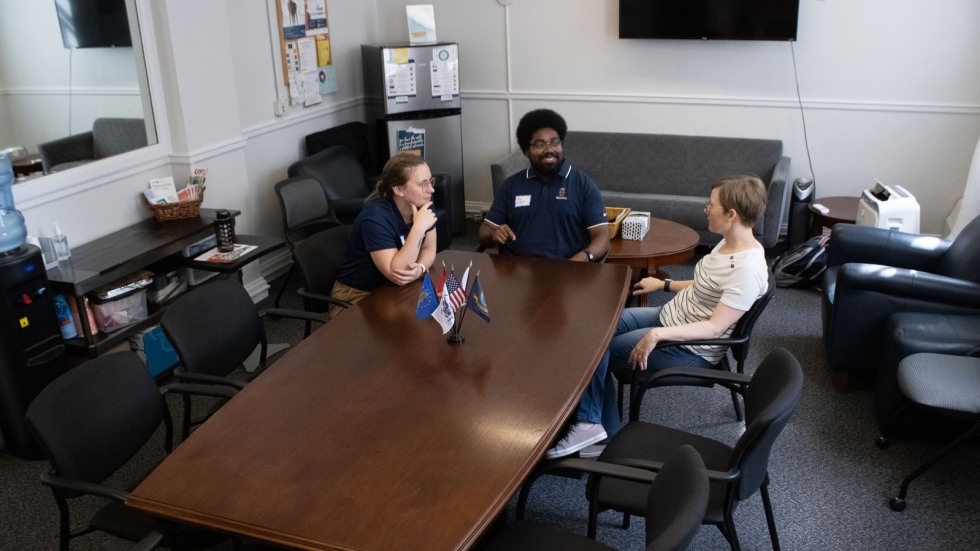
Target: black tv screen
709 19
93 23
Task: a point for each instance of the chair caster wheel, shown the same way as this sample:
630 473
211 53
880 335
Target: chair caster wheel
897 504
882 442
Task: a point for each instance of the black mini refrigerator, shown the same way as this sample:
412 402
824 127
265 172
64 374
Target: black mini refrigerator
32 353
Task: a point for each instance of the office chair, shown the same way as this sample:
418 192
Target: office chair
213 329
90 422
305 211
945 384
675 505
738 345
318 258
772 394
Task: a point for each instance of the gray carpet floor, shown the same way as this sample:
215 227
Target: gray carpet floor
829 483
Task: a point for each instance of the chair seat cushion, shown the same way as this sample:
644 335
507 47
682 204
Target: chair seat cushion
941 381
533 536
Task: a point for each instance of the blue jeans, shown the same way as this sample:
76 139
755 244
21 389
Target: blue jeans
598 403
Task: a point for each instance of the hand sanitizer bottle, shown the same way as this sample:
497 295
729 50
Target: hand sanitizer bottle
60 241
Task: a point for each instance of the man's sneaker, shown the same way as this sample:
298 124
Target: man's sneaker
581 436
595 450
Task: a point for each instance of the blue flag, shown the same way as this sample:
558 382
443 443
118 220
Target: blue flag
477 302
427 299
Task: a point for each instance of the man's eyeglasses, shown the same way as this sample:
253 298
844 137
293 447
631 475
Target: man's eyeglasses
708 205
541 144
431 182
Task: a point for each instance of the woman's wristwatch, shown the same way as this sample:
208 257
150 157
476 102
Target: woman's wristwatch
667 285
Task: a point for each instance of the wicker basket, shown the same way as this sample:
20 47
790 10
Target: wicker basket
176 211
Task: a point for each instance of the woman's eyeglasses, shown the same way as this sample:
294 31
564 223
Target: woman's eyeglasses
431 182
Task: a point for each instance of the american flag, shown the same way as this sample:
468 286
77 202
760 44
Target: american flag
457 296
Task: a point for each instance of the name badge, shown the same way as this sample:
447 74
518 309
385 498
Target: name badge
522 201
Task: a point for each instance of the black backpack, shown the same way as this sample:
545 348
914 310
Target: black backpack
802 265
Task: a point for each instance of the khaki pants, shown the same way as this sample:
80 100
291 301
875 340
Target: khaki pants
345 292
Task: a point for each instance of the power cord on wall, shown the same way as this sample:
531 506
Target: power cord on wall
71 65
799 101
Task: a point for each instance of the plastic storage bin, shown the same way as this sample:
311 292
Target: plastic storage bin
120 311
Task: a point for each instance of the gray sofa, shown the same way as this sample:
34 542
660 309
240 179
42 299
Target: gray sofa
671 176
108 137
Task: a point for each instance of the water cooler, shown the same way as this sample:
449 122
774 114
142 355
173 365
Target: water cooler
31 347
799 210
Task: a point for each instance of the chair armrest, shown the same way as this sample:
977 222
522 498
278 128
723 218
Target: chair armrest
905 283
655 466
777 201
851 243
215 390
317 296
294 314
184 376
52 480
698 374
602 468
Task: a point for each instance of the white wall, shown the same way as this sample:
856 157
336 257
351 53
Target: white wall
889 88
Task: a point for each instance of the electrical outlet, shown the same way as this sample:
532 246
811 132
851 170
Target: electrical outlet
279 106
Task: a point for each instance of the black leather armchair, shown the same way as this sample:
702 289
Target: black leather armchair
873 273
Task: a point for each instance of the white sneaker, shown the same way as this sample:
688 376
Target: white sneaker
595 450
581 435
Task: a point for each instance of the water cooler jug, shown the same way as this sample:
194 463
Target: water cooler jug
799 210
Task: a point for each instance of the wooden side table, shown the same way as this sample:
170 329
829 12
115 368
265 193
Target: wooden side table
841 210
665 244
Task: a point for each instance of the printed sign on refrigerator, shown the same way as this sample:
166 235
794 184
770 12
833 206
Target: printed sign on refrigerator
412 140
444 71
400 80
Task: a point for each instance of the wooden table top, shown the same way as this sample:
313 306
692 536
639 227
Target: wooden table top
666 243
374 433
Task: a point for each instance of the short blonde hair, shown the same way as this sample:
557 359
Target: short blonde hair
745 194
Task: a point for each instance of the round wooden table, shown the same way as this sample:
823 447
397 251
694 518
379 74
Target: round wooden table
666 243
840 210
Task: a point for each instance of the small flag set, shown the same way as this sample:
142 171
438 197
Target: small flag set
448 301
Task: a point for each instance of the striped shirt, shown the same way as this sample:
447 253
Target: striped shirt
736 280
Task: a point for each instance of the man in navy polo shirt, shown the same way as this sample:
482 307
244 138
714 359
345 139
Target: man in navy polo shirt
555 211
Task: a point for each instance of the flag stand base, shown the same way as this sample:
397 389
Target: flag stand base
455 339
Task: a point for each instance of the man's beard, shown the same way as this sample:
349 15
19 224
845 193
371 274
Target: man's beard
547 172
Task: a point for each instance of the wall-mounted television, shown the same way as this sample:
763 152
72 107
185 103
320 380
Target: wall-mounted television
709 19
93 23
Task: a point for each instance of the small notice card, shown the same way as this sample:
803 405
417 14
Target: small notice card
421 24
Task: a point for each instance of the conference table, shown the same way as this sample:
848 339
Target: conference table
375 433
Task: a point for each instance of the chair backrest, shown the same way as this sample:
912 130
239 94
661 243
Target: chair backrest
214 327
772 396
677 501
318 258
112 136
94 418
305 208
338 171
743 328
354 135
960 261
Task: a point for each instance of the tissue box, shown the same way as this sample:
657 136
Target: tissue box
636 226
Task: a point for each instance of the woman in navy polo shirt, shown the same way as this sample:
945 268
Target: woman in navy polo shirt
393 238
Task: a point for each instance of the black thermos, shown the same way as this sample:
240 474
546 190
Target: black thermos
224 231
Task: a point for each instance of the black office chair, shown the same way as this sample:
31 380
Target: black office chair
90 422
675 505
305 211
772 395
318 258
213 329
945 384
738 345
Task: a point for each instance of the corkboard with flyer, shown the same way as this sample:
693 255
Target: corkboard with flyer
307 63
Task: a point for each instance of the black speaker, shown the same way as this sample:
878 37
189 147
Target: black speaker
799 210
